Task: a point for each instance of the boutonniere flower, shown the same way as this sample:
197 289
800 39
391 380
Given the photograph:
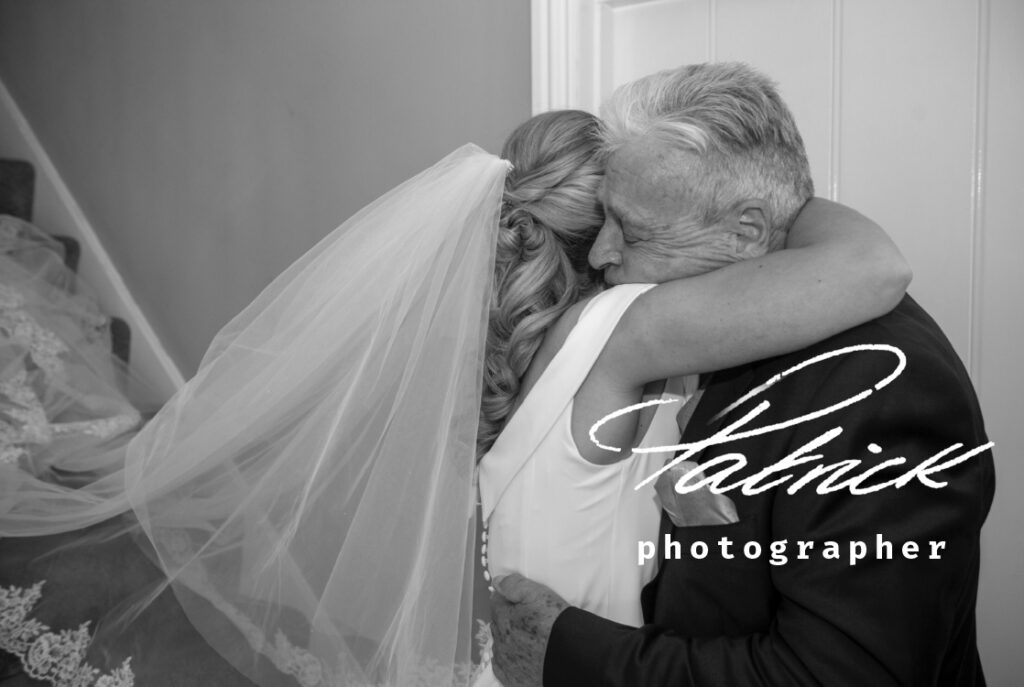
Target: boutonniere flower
700 507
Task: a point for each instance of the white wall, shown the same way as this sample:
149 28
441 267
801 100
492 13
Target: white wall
912 112
211 142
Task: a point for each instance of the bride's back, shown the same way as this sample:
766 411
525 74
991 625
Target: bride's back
555 516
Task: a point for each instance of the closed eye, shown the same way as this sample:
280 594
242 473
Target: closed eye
630 236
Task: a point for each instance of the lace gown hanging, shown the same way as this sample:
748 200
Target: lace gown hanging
62 392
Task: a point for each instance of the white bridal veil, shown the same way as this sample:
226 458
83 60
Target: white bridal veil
313 484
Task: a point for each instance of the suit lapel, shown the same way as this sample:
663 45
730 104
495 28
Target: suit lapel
720 389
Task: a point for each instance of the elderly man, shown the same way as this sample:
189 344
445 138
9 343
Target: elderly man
860 567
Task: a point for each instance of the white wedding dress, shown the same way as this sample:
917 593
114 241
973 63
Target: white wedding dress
558 519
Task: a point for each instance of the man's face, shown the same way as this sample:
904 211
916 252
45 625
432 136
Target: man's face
648 236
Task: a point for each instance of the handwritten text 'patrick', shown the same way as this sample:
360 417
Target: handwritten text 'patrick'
706 474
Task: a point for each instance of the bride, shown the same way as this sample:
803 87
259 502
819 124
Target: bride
310 496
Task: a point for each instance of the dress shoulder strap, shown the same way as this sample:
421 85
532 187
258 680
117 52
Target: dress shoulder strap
553 391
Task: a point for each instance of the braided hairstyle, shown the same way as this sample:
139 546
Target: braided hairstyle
550 216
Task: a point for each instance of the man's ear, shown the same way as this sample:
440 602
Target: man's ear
750 229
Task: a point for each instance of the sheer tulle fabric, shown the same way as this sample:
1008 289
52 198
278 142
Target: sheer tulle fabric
309 494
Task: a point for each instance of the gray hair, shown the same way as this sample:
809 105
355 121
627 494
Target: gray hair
732 117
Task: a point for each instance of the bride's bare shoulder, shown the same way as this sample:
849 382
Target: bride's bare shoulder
554 338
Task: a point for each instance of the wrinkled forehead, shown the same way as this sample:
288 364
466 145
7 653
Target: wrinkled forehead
650 181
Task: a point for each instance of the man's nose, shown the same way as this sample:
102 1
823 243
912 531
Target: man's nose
604 253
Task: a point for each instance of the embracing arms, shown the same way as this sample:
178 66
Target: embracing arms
839 269
842 623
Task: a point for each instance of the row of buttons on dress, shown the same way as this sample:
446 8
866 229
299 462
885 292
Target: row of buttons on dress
483 559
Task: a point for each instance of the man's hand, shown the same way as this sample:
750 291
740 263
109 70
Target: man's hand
522 615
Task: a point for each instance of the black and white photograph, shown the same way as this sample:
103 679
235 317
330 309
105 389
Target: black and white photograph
511 343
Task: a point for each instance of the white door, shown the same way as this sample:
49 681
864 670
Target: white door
912 112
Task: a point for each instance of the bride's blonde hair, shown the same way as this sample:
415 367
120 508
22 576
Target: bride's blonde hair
550 216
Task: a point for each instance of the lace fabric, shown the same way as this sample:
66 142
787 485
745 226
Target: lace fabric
57 657
67 404
64 404
38 388
61 389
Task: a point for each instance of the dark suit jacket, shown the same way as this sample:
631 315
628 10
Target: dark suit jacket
744 622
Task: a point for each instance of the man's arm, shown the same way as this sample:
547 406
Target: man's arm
879 622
